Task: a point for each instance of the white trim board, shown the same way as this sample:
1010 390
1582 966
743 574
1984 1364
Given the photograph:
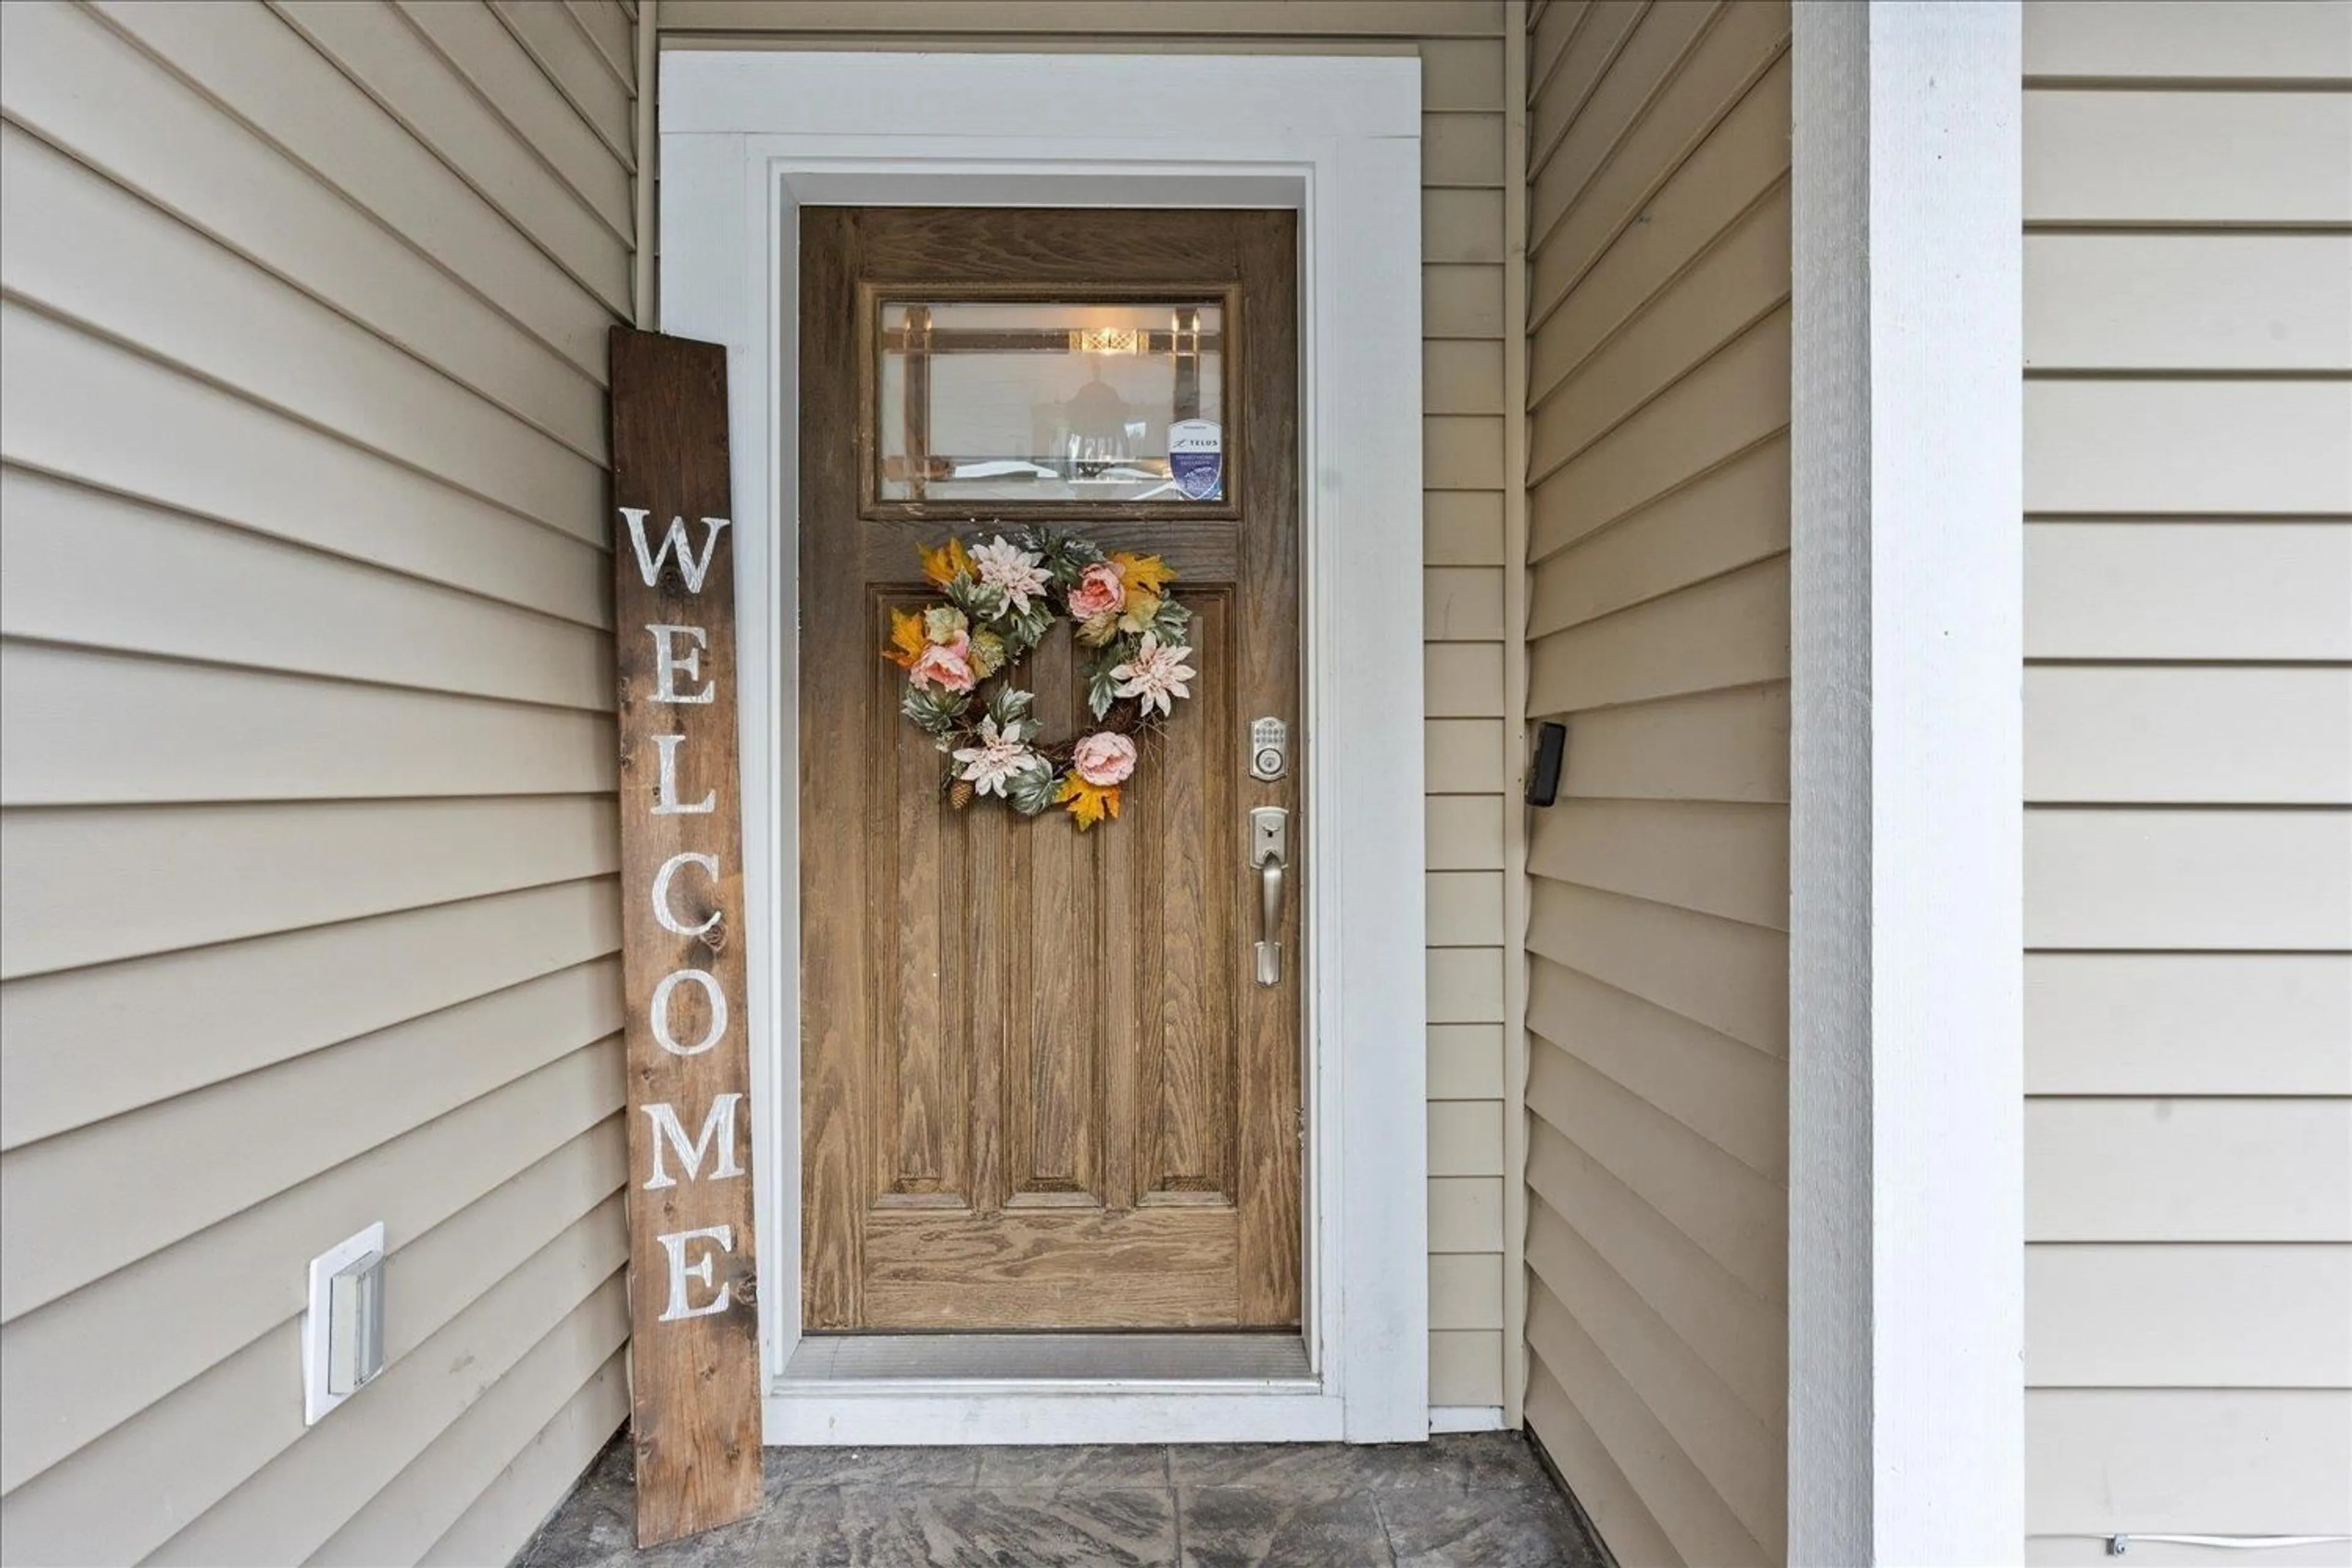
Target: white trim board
1907 1093
748 138
1467 1418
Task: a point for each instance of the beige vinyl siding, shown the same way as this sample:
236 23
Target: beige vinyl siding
1461 46
1658 632
306 785
2189 773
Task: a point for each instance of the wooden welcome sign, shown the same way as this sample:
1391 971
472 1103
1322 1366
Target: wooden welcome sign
692 1299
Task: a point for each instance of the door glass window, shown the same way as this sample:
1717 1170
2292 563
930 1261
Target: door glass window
1043 402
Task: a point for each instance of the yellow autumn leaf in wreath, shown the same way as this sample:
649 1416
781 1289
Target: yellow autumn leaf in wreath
1137 614
1089 804
906 639
946 564
1143 574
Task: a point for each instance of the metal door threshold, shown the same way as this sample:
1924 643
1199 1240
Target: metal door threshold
851 1362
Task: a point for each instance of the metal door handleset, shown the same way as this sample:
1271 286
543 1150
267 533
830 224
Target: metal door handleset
1269 853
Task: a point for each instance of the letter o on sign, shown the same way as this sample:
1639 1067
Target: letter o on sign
660 1011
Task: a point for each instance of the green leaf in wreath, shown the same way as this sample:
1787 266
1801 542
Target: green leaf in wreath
1031 790
1009 705
1065 554
1100 687
1170 621
1024 629
983 602
935 712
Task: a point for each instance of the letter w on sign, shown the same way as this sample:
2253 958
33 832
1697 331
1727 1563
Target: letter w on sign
693 1305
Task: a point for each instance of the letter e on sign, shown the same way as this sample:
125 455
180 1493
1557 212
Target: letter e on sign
693 1286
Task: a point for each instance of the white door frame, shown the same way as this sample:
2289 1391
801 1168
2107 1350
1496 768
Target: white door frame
746 138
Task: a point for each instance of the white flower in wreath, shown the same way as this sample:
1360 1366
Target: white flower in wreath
1155 675
1005 565
996 759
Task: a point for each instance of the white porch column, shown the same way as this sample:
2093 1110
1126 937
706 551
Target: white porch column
1906 1224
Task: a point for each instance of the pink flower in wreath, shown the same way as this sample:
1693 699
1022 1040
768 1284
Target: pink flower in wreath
1103 758
946 665
1098 592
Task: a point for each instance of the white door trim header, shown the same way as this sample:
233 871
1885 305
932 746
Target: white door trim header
747 139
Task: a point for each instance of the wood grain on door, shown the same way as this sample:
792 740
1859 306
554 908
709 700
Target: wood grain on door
1040 1087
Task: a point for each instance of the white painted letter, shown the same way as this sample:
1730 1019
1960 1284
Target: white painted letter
660 1011
718 1125
668 662
650 563
666 803
670 923
680 1270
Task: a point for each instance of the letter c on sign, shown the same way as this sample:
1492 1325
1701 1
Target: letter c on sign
660 1011
670 923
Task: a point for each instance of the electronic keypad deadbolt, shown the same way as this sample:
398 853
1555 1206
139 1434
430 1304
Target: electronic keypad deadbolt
1269 749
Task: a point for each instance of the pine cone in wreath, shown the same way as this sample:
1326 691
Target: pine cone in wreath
960 794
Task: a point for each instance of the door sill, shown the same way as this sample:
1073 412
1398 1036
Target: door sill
1047 1362
886 1390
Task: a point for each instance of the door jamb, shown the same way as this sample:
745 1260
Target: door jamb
1338 139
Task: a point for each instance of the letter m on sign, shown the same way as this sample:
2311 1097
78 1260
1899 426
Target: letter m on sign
693 1313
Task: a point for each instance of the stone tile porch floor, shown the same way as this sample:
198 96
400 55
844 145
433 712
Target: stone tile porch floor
1477 1500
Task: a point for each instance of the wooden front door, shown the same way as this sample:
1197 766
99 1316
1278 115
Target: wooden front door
1044 1082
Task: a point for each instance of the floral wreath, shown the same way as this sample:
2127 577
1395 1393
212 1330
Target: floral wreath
1002 597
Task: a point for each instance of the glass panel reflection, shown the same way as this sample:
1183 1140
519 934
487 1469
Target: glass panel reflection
1051 402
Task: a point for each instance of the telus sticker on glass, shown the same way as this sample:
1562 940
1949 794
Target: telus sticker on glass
1196 456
